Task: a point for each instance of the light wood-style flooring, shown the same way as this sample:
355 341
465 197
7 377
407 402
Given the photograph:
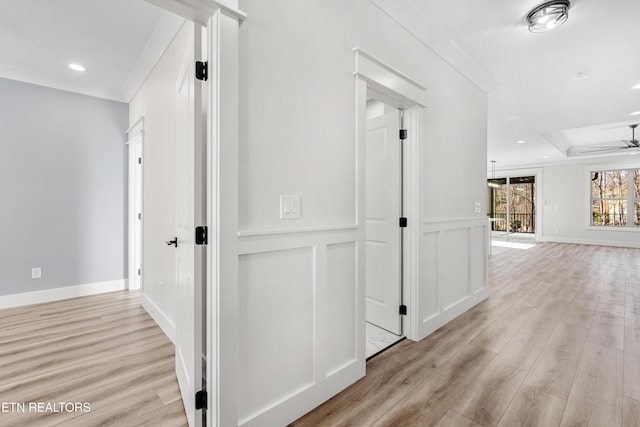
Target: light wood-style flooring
104 350
556 344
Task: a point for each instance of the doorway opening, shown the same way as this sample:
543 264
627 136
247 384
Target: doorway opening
135 206
384 227
511 203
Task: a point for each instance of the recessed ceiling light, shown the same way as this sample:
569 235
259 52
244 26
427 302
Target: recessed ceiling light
545 157
548 16
76 67
582 75
636 86
520 142
635 113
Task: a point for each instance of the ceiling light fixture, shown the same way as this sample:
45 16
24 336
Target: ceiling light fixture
545 157
636 86
581 75
493 176
76 67
520 142
635 113
548 16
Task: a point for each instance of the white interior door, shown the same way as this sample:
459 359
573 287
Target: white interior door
189 300
135 213
383 213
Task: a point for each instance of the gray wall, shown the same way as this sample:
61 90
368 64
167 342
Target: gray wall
62 188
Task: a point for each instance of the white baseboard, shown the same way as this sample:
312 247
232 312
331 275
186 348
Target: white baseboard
435 322
57 294
590 242
159 316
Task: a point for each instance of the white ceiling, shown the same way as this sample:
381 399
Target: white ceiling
117 41
535 93
530 78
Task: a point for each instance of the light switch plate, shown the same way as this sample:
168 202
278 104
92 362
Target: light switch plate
290 207
36 273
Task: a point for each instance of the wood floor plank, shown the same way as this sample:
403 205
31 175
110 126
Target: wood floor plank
488 397
631 413
578 315
468 362
104 350
554 372
607 329
426 404
568 338
453 419
540 323
632 372
596 395
632 337
523 350
496 335
587 298
534 408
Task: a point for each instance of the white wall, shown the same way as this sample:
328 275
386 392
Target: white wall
155 101
298 136
566 207
298 108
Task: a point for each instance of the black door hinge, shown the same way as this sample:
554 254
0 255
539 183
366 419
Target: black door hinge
403 310
202 235
403 222
139 160
403 134
201 70
139 272
201 399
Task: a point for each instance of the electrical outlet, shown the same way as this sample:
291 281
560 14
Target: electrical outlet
36 272
477 207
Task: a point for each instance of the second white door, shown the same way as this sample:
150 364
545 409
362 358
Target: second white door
189 297
383 215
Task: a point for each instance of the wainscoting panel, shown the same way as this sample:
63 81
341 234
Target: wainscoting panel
478 246
276 326
453 266
341 306
453 280
428 276
298 321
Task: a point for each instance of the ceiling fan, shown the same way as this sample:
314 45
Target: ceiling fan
624 144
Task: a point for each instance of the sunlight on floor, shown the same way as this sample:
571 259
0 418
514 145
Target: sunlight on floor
511 245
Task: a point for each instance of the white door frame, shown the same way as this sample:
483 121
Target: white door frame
135 189
400 91
222 19
222 215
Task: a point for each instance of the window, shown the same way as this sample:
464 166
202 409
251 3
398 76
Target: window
615 198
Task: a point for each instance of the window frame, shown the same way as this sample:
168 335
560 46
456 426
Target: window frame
631 200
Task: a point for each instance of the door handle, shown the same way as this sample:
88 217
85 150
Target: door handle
173 242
